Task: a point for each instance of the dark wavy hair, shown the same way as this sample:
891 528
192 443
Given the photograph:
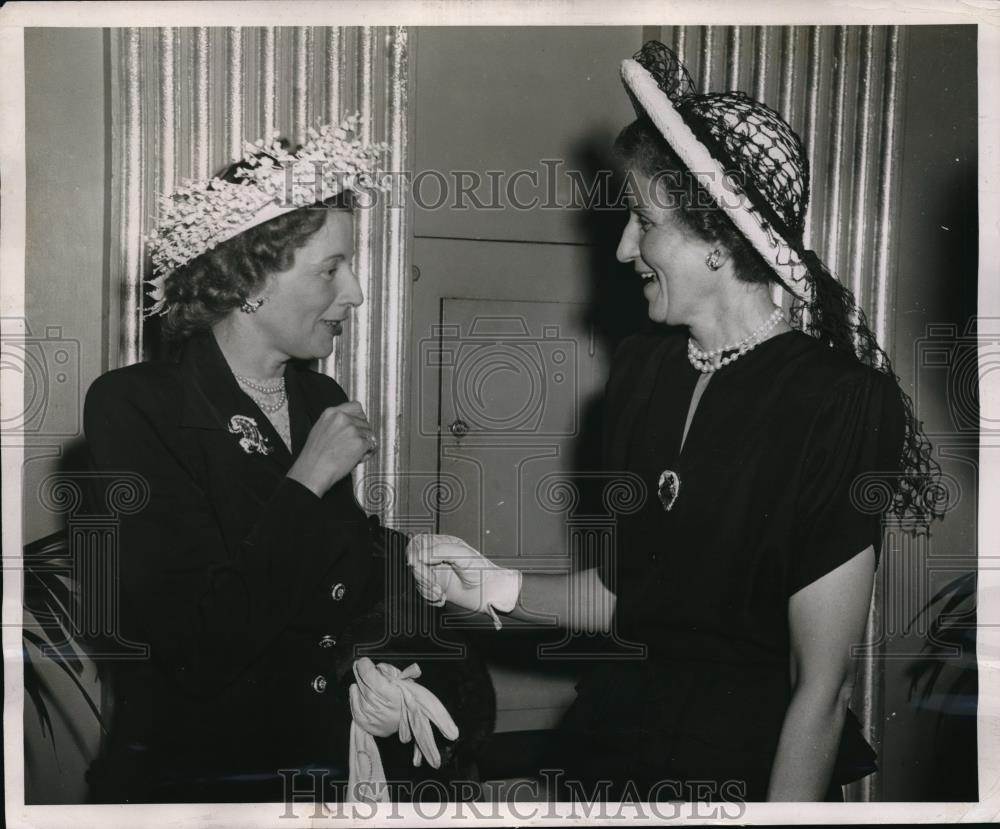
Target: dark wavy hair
833 316
211 285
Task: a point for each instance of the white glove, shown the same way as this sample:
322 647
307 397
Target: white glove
447 569
376 702
366 778
385 700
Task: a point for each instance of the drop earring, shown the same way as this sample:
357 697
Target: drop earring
714 260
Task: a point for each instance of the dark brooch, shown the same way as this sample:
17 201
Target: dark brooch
668 488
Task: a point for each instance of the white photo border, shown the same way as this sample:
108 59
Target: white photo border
14 17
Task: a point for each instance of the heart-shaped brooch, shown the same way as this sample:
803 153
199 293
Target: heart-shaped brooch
251 440
668 488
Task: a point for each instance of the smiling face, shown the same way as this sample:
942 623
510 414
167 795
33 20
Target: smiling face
668 258
306 305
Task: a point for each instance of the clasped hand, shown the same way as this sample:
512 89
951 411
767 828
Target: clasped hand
385 700
338 441
445 568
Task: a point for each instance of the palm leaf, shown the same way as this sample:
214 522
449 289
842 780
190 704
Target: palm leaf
51 604
33 688
957 590
951 632
40 643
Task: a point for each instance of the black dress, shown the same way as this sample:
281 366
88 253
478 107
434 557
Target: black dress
765 506
252 595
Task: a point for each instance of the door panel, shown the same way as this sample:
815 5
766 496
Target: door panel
531 305
513 376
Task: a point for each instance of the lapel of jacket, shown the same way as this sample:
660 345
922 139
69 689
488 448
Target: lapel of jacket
305 404
214 400
243 456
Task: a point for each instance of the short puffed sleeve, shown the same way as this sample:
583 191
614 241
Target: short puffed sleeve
855 444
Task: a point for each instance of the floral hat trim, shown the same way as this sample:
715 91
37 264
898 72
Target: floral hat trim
776 250
202 213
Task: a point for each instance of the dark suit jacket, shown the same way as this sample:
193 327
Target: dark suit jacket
241 580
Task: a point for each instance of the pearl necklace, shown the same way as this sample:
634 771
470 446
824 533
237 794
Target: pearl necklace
277 388
256 385
708 361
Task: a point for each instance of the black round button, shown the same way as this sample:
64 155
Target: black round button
337 591
319 684
327 641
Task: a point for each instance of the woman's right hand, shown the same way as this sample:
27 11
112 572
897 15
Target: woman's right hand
337 442
445 568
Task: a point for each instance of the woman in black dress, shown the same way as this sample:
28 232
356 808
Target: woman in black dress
769 455
248 569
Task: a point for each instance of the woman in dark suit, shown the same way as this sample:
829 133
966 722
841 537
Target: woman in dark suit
251 572
768 454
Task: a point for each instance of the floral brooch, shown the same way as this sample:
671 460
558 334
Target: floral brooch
251 440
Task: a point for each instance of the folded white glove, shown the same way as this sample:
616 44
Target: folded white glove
447 569
366 777
385 700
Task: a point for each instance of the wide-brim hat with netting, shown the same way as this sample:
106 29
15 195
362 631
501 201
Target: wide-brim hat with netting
742 152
